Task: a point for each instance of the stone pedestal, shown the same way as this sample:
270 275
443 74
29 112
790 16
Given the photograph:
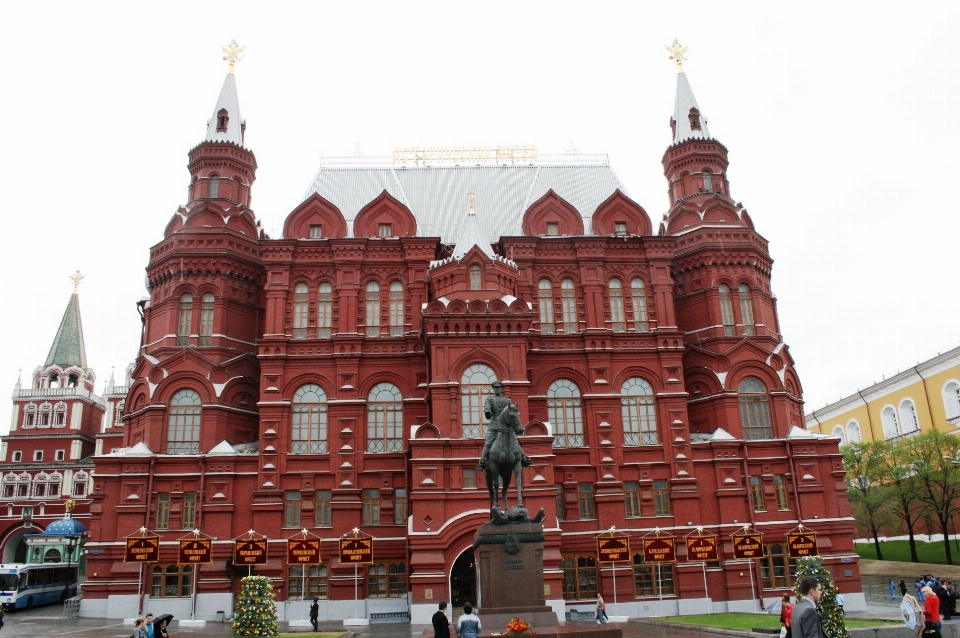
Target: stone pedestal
510 575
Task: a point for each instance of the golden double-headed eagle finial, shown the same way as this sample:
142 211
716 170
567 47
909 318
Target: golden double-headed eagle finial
76 278
232 54
678 53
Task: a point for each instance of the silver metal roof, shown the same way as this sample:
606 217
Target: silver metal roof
681 113
437 195
229 102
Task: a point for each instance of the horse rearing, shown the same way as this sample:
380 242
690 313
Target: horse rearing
505 457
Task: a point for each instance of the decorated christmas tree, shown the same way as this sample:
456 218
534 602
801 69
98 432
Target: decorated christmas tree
830 612
256 615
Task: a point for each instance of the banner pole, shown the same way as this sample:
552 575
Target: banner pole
706 592
140 593
614 583
193 602
303 587
753 592
660 587
356 599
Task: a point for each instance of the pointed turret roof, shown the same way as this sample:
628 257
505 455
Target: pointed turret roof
472 235
229 102
684 123
68 348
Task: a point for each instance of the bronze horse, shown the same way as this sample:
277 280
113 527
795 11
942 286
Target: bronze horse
505 457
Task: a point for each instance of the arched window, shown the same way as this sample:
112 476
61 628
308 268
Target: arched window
569 293
640 320
838 432
546 307
183 423
309 420
707 181
301 311
726 310
46 411
475 281
853 432
475 386
324 310
616 306
80 484
746 310
372 320
30 415
385 419
185 320
60 415
9 486
638 413
564 409
40 485
891 426
206 318
214 186
52 555
908 416
754 409
396 309
951 399
222 120
23 486
54 483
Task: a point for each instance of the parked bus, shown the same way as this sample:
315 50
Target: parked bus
24 586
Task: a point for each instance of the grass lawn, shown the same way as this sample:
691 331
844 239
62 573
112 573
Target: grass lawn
900 550
313 634
746 622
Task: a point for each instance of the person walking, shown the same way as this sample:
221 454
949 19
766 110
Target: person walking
315 612
139 628
468 625
441 625
601 610
931 613
903 587
148 623
805 619
893 590
786 616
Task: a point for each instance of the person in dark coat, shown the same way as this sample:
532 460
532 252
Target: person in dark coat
944 597
315 613
160 626
806 621
903 587
441 624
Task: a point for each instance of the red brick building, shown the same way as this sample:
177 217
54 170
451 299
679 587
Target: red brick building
333 379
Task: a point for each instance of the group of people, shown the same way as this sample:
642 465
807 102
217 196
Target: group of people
468 625
802 620
939 589
147 627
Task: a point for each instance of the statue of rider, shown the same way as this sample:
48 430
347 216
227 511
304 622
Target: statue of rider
492 407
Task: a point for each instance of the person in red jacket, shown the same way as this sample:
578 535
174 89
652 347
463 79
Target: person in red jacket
931 611
786 615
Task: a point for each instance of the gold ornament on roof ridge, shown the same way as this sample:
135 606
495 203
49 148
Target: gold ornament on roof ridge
232 51
471 197
677 53
76 278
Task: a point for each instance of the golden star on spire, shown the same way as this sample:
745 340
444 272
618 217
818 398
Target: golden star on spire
677 53
232 51
76 278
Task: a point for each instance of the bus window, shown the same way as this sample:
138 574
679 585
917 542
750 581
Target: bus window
8 582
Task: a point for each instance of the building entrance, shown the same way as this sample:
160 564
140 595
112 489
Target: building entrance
463 583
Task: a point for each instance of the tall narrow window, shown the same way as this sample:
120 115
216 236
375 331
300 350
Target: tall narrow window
291 509
694 117
60 415
637 412
853 432
585 500
324 310
475 387
888 418
396 309
780 490
385 419
756 494
206 319
222 120
726 310
371 507
561 505
707 181
214 186
579 576
616 306
652 579
400 507
776 569
546 307
640 319
323 509
661 499
754 409
951 399
189 520
569 293
372 319
301 311
475 282
185 320
908 416
183 423
163 510
746 310
309 434
632 492
563 406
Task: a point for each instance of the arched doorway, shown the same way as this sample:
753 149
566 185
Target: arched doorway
463 582
15 545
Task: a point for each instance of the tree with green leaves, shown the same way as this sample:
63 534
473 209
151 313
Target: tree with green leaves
898 477
256 615
830 612
864 468
935 464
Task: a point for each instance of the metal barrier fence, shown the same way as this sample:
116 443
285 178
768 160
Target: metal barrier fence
71 607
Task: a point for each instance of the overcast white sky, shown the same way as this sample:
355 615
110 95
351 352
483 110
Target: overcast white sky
840 118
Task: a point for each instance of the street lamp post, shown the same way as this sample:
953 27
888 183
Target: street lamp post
71 545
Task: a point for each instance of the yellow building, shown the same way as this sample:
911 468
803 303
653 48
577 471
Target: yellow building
915 400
